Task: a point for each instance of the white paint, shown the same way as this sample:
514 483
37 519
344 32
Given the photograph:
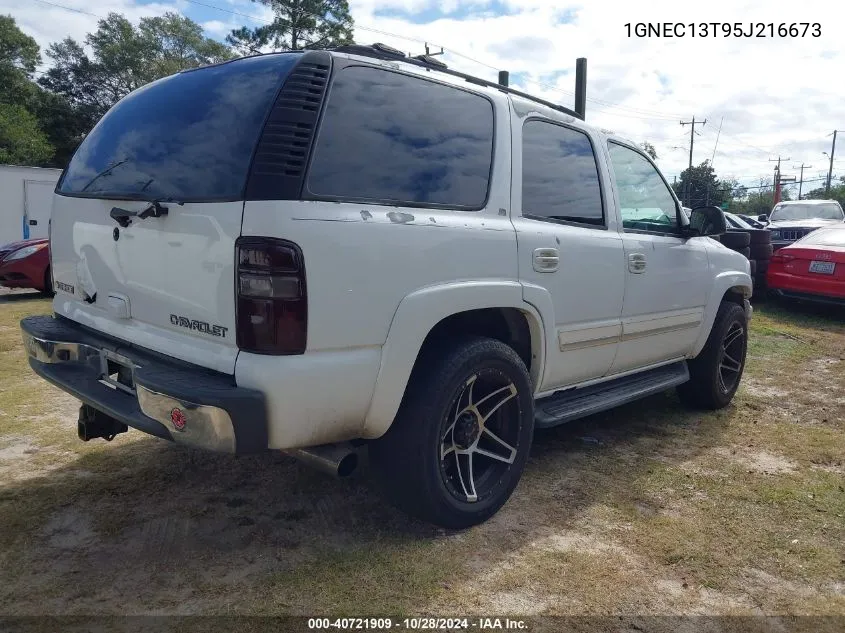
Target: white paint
181 264
25 190
380 277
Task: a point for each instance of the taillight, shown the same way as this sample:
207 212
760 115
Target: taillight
781 258
272 302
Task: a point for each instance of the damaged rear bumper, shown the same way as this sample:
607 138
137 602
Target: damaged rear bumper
163 397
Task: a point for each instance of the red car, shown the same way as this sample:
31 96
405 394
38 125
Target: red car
26 264
812 268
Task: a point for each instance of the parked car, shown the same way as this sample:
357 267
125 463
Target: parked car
813 268
336 249
751 221
26 264
793 219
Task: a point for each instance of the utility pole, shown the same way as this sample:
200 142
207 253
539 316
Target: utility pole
691 142
801 181
830 171
776 197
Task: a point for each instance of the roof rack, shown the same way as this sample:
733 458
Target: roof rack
384 52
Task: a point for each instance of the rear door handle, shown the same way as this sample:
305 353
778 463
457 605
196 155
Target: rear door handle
546 260
636 263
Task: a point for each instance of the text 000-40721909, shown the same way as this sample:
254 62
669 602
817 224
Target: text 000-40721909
722 29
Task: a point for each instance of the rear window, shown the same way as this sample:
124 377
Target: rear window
189 137
388 137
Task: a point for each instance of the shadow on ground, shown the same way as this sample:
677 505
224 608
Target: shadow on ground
143 526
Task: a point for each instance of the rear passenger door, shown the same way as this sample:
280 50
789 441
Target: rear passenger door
570 252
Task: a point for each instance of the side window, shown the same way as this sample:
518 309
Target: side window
388 137
560 179
647 204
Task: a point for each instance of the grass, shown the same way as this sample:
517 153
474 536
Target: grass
650 509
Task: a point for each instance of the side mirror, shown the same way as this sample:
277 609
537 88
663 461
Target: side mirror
763 217
707 221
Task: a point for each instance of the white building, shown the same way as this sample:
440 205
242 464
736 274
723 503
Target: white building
26 197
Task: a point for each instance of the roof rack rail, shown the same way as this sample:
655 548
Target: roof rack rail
381 51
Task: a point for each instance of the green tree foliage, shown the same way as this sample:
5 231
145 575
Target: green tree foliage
21 140
837 192
755 200
124 58
19 57
700 186
297 24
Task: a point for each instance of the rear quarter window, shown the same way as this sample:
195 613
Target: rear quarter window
393 138
189 136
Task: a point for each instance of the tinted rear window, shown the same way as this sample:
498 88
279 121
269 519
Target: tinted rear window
560 179
388 137
189 136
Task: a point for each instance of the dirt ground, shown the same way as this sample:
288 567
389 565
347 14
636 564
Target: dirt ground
650 509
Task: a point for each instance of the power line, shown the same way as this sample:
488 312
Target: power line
61 6
456 53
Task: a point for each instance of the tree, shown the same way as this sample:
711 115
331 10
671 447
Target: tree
648 148
837 192
297 24
699 186
21 140
19 57
124 58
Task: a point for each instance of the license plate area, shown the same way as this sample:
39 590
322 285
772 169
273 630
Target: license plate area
823 268
117 372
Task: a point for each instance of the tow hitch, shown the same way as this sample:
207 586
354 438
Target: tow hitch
93 424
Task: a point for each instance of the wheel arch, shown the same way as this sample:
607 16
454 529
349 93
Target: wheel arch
735 287
491 308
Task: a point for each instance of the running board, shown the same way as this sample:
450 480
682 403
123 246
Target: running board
565 406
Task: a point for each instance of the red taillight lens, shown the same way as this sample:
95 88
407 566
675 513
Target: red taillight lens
781 258
272 303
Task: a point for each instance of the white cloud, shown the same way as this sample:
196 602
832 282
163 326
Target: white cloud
778 95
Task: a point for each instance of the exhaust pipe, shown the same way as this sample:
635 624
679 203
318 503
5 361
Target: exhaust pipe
338 460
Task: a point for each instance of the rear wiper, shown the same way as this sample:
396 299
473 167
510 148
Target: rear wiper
124 217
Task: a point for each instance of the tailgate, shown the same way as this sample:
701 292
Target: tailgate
166 283
185 144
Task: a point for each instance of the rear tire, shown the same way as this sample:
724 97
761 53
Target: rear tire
463 397
716 372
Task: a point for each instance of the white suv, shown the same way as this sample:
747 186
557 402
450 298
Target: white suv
318 251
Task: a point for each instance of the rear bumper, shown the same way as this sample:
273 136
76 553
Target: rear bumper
807 296
820 288
211 410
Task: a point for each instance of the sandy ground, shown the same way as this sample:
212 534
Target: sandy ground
650 509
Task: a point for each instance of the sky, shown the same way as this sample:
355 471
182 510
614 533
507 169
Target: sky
761 97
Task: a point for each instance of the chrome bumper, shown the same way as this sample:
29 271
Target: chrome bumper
87 370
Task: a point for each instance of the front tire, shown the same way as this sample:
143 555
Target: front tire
460 441
716 372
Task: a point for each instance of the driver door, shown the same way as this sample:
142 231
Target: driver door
667 275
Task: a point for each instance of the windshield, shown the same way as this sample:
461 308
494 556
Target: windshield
824 211
188 137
